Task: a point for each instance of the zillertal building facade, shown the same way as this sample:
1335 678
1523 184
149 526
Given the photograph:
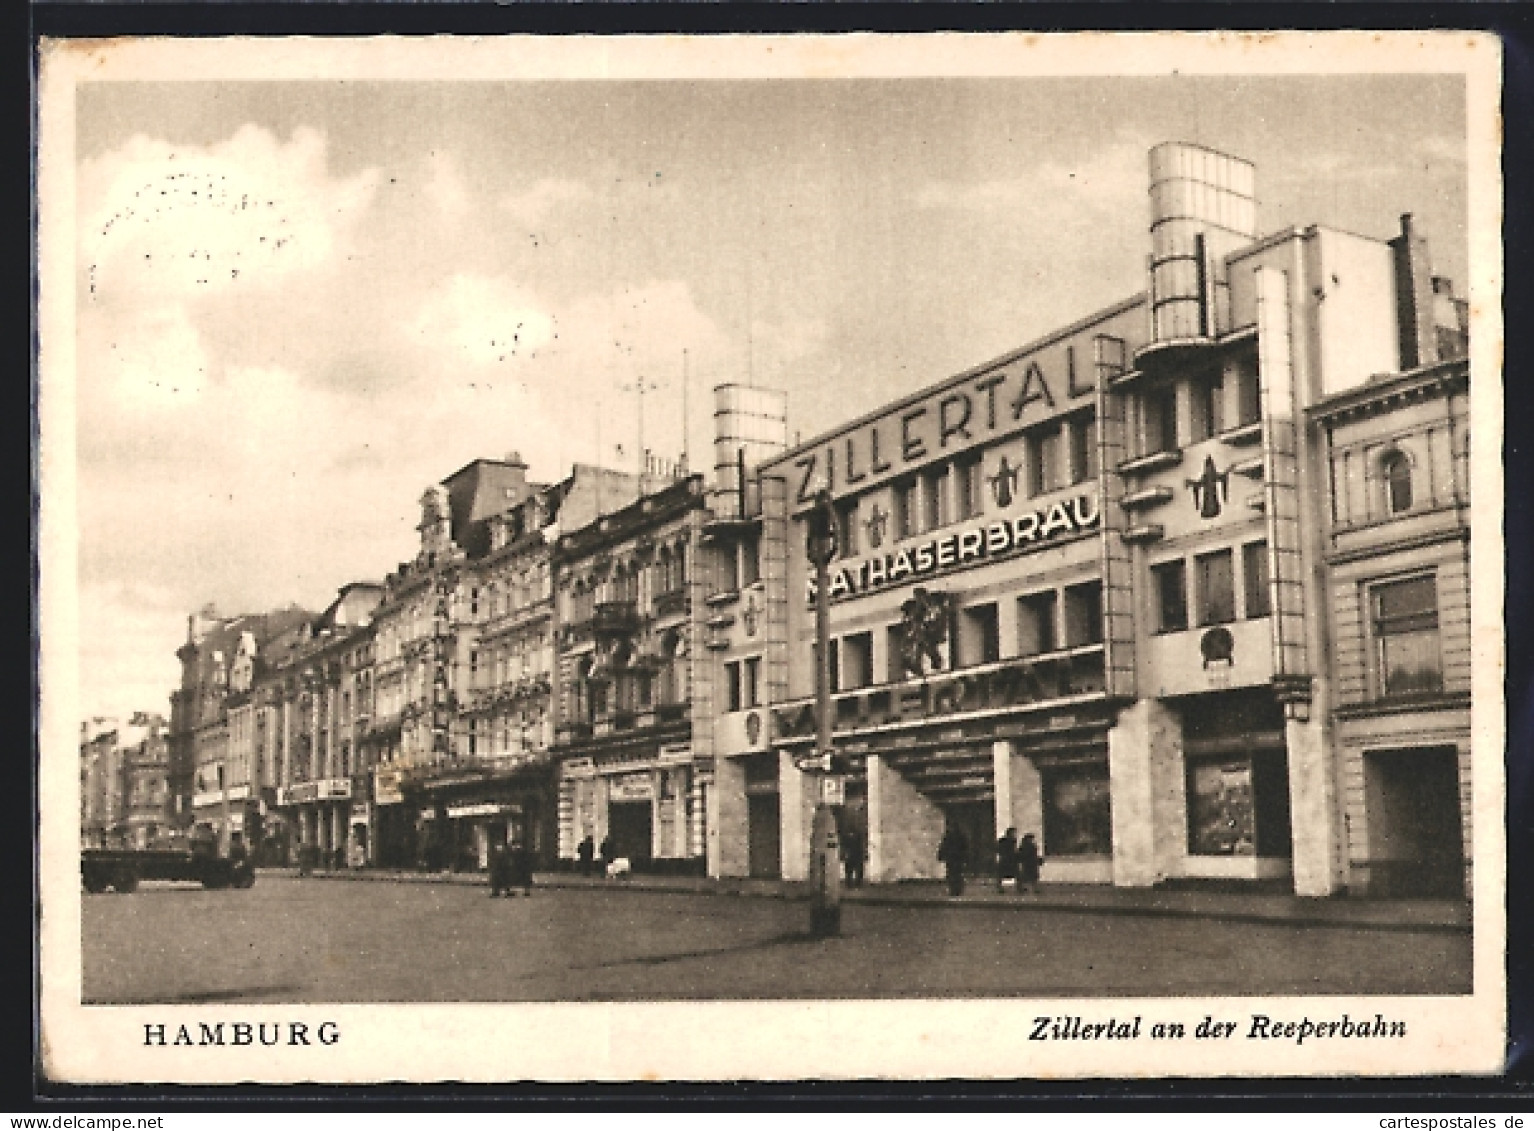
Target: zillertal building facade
1083 590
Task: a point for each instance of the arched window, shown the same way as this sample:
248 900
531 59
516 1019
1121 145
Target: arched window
1395 471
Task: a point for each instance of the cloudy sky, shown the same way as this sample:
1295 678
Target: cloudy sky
300 303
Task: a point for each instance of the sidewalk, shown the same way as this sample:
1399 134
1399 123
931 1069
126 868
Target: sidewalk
1096 899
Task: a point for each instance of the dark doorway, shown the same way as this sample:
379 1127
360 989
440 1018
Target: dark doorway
1413 813
764 836
977 821
628 825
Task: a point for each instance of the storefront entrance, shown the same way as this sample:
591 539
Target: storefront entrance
628 827
1412 809
764 832
977 821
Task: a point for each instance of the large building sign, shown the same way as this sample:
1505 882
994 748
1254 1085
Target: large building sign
987 406
984 541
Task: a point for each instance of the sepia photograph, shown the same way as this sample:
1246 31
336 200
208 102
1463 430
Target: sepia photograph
770 557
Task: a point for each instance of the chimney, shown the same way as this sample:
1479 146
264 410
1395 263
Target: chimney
1414 296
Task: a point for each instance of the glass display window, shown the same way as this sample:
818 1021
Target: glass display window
1078 815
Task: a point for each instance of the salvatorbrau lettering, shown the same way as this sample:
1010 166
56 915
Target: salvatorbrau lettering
240 1034
982 541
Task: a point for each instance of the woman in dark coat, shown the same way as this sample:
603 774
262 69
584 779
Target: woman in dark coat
1028 863
951 851
1006 859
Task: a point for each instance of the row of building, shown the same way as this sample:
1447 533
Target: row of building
1181 588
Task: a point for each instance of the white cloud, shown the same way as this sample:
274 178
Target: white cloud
445 188
543 196
483 320
1110 178
169 222
150 362
128 642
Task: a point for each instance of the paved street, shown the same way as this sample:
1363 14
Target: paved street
315 940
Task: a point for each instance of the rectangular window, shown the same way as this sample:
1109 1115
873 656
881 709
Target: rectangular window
847 527
1036 623
905 508
1405 615
1084 614
750 562
967 481
979 635
751 682
1043 447
1078 816
1254 576
1221 813
1171 585
732 686
1083 446
858 660
934 498
1208 391
1158 420
1248 394
1216 588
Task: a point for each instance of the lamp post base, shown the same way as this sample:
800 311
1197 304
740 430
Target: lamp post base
825 875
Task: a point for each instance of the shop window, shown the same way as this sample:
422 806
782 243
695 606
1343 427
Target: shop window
857 657
1216 588
751 682
1158 420
1082 431
905 508
1238 805
1084 614
1043 453
979 635
1408 657
1078 817
1395 472
1248 394
1254 571
934 497
1036 623
1171 585
1208 391
967 484
847 527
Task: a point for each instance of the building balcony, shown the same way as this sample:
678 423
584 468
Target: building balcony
1153 461
1144 500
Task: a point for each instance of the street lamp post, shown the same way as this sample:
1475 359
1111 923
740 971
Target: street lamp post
825 855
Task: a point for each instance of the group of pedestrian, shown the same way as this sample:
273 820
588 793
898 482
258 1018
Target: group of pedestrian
588 861
1017 861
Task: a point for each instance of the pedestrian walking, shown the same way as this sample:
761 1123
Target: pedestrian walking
1006 860
1029 861
852 856
952 851
607 854
585 851
497 867
519 869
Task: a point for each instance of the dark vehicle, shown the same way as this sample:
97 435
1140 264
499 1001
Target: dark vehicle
122 869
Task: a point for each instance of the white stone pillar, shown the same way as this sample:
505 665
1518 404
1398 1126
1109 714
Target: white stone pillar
728 822
904 827
796 806
1145 776
1001 775
1316 835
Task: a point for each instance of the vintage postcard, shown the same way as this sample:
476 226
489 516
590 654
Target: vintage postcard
615 558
